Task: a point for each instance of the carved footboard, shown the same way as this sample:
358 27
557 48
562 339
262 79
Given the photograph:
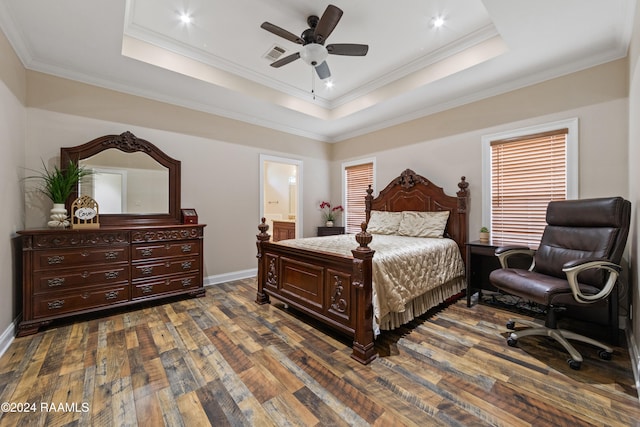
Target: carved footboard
337 290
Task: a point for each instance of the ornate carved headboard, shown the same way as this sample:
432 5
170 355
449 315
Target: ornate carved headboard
413 192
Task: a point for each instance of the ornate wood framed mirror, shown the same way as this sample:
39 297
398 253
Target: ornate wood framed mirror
133 181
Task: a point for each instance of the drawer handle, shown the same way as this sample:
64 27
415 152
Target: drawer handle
56 259
111 274
111 255
167 246
186 265
146 289
54 305
56 281
85 274
146 270
186 282
84 253
85 295
146 252
186 248
111 295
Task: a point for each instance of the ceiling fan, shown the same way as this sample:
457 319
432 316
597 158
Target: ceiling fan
312 39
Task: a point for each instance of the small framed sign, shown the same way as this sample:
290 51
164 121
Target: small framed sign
84 213
189 216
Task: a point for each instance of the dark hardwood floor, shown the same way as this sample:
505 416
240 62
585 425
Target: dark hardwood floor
224 360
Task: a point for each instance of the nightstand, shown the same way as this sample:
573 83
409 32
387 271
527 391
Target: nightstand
330 231
481 261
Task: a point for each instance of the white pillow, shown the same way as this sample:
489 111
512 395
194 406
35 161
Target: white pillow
423 224
382 222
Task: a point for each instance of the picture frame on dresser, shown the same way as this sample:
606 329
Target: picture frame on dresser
131 258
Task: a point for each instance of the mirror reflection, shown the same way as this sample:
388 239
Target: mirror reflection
121 183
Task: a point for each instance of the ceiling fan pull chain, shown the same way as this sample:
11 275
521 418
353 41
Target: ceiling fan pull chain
313 84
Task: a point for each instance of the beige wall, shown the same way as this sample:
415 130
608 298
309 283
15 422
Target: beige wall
445 146
219 179
634 176
12 134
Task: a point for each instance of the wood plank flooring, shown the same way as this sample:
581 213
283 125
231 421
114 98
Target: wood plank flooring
224 360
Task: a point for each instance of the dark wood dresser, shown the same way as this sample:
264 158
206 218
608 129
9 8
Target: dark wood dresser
66 272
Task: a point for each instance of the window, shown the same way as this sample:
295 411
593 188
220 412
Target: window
357 178
527 170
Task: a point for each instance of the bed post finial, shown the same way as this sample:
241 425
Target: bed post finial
367 202
462 194
363 238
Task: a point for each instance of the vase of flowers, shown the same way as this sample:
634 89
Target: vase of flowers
330 214
58 184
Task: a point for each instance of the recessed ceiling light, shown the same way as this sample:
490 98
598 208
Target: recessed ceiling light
186 19
437 21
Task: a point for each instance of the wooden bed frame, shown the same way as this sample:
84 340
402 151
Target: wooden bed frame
337 290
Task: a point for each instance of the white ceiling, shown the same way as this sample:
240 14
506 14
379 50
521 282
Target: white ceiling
216 64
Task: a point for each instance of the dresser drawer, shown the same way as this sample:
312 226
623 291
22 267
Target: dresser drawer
66 279
170 284
56 303
160 268
163 250
79 257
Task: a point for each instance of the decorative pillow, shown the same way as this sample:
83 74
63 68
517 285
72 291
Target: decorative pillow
423 224
382 222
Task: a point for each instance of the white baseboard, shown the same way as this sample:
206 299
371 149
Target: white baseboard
7 337
634 355
228 277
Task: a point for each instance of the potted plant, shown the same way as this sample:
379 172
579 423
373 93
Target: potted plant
484 234
329 214
58 184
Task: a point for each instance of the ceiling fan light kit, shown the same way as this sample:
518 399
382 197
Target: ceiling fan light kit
312 40
313 54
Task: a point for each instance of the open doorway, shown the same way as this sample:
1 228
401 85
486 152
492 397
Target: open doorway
280 196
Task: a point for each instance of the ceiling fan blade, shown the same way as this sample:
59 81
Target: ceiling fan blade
323 70
281 32
284 61
348 49
327 23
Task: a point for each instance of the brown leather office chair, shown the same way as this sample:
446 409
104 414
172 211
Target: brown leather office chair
576 264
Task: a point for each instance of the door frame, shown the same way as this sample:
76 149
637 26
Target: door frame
288 161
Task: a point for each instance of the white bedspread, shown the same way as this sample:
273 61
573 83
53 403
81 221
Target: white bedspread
403 267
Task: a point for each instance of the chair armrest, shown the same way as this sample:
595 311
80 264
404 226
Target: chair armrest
578 262
505 252
573 268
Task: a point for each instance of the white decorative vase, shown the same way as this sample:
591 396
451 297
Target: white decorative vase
329 224
58 216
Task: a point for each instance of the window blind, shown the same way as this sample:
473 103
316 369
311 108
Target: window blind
358 178
526 174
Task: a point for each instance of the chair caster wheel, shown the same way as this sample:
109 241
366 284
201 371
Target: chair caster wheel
512 342
605 355
573 364
511 325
